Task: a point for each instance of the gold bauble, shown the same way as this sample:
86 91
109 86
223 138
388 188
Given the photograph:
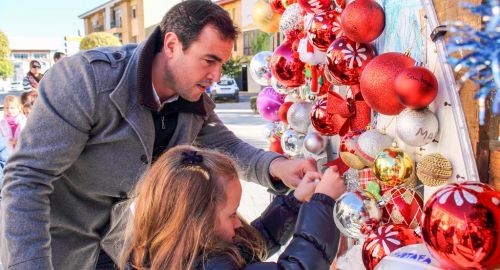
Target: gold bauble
434 170
392 166
352 160
265 18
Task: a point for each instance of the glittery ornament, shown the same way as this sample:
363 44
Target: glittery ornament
377 82
346 60
298 116
461 226
351 180
402 206
292 142
392 166
314 143
383 240
370 143
417 127
292 22
434 170
363 20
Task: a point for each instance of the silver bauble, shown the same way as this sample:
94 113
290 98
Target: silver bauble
278 87
291 20
314 143
356 210
268 130
417 127
298 116
351 179
292 142
259 68
370 143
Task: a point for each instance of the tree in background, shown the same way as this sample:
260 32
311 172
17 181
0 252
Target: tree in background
261 42
6 67
99 39
232 68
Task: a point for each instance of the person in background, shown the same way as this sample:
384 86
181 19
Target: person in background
58 56
13 120
33 77
198 226
27 107
29 96
102 118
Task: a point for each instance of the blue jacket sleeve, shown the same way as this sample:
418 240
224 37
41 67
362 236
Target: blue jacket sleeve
4 154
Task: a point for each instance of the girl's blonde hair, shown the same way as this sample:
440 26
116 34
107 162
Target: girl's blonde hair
11 100
175 213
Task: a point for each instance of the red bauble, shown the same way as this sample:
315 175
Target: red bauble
383 240
277 6
403 206
461 226
286 68
275 145
363 21
377 82
346 59
416 87
315 6
323 29
283 110
321 119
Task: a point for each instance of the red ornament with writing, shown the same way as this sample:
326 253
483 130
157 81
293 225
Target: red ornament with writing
416 87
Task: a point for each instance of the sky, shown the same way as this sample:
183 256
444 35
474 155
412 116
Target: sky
44 18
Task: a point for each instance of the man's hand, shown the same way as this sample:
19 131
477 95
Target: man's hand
291 171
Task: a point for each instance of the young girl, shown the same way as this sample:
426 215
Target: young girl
185 217
13 120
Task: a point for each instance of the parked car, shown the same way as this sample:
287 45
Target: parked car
225 88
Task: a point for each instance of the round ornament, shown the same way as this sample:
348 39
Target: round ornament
410 257
348 150
286 68
402 206
356 213
277 6
292 21
321 119
416 87
268 130
392 166
417 127
292 142
283 110
314 143
385 239
278 87
346 60
298 116
323 29
370 143
264 17
268 103
377 82
434 170
461 226
259 68
316 7
310 54
275 145
363 21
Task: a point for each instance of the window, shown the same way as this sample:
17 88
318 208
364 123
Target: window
20 55
134 13
255 41
40 55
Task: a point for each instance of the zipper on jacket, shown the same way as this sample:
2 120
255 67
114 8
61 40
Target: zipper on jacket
163 122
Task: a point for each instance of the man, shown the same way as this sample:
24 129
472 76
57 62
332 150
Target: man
101 118
58 56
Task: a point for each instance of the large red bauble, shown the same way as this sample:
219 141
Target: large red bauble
286 68
403 206
277 6
377 82
315 6
383 240
363 21
275 145
346 60
283 110
461 226
321 120
416 87
323 29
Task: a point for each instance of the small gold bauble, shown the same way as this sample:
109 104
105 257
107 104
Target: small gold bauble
392 166
434 170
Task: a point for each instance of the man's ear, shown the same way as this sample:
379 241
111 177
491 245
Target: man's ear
170 43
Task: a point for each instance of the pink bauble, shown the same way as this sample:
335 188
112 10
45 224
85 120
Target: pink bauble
269 102
286 67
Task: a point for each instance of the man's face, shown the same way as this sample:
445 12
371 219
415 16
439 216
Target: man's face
189 72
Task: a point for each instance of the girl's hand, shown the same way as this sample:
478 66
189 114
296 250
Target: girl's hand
331 183
306 186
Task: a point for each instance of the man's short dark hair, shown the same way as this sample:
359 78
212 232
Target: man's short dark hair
188 18
58 55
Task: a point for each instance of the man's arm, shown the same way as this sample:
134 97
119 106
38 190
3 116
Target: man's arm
52 140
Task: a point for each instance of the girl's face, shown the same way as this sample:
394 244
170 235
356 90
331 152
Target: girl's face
12 110
227 218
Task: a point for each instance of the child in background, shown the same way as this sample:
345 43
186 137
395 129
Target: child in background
13 121
27 108
185 217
